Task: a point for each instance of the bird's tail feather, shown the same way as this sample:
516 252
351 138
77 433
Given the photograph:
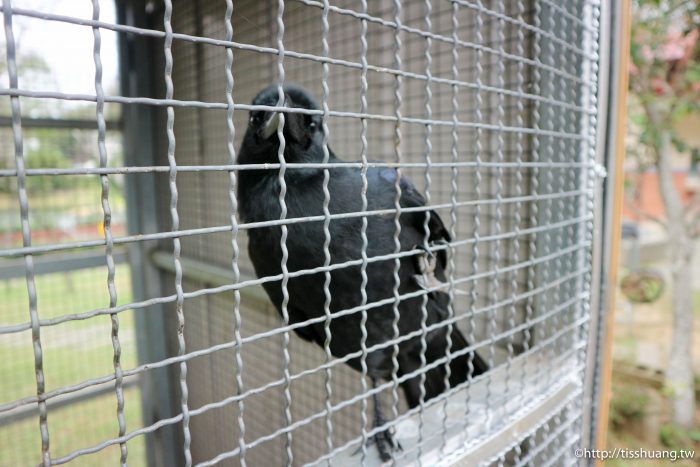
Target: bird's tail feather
435 378
459 366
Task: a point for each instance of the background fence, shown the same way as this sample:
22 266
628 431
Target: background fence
489 107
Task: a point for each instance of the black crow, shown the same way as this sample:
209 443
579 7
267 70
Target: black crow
258 192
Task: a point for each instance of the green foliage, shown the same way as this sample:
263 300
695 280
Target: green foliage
638 119
628 403
49 158
674 437
693 73
52 148
671 436
7 184
642 286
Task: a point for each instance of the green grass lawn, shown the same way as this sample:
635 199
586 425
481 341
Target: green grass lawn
63 293
74 427
73 352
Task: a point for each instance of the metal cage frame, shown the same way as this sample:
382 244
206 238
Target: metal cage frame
537 403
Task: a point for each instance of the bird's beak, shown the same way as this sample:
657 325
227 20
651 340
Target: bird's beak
270 126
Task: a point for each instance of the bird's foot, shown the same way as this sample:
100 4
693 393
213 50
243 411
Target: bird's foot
386 444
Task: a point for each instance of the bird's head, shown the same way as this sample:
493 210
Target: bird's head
299 129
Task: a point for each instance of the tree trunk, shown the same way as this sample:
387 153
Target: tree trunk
679 373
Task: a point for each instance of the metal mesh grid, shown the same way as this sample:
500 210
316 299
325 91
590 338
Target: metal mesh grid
488 107
63 134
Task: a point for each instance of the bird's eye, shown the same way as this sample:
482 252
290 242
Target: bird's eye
312 125
254 119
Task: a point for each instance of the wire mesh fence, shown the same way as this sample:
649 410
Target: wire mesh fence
417 281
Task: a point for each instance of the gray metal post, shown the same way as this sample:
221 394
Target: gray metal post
611 50
140 148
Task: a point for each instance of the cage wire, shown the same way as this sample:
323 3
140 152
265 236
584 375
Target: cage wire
138 328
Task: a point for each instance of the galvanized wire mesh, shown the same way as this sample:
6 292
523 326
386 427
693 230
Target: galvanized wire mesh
489 107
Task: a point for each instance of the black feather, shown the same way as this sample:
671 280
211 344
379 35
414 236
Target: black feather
258 193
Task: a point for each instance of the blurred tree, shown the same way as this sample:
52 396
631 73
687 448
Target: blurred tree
50 147
34 73
665 88
42 158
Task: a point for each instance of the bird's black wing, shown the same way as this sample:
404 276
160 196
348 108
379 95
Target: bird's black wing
414 235
413 220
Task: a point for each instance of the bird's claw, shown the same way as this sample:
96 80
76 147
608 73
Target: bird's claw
386 444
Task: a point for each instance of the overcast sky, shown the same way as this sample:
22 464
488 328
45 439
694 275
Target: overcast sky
68 48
